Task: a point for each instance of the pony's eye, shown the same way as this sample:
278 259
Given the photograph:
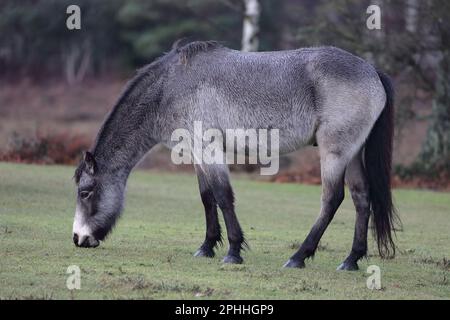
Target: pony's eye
85 194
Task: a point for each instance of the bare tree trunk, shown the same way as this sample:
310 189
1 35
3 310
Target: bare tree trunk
250 29
411 15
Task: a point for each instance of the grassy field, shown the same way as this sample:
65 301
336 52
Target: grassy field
149 255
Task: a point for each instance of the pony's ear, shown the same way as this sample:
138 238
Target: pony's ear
89 160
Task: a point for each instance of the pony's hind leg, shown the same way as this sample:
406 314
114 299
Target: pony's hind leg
357 183
218 179
213 232
332 171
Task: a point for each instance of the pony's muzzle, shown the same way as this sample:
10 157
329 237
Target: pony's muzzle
85 241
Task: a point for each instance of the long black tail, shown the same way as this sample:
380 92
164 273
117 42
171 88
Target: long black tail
377 163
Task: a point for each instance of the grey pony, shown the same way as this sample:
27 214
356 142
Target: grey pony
320 96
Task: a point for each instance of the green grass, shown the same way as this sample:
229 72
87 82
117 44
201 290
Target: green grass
149 255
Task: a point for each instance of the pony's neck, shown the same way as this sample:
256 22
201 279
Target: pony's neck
125 136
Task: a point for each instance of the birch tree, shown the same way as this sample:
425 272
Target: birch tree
250 31
411 15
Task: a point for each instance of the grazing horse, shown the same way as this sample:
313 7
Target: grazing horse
314 96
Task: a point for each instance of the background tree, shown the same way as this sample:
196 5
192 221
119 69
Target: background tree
250 30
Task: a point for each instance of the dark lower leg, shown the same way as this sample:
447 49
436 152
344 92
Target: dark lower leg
307 249
225 200
359 247
235 237
332 172
356 181
213 232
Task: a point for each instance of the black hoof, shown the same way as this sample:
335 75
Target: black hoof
348 266
294 264
232 259
204 252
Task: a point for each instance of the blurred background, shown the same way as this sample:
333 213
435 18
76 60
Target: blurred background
57 85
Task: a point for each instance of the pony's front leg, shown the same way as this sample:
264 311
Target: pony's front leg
213 233
217 177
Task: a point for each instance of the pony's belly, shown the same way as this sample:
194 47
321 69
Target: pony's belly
290 145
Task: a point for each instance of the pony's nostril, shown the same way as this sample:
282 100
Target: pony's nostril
84 242
75 239
88 242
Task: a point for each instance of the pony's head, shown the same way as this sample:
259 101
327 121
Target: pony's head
100 198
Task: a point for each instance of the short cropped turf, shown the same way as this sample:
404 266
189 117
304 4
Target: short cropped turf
150 253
